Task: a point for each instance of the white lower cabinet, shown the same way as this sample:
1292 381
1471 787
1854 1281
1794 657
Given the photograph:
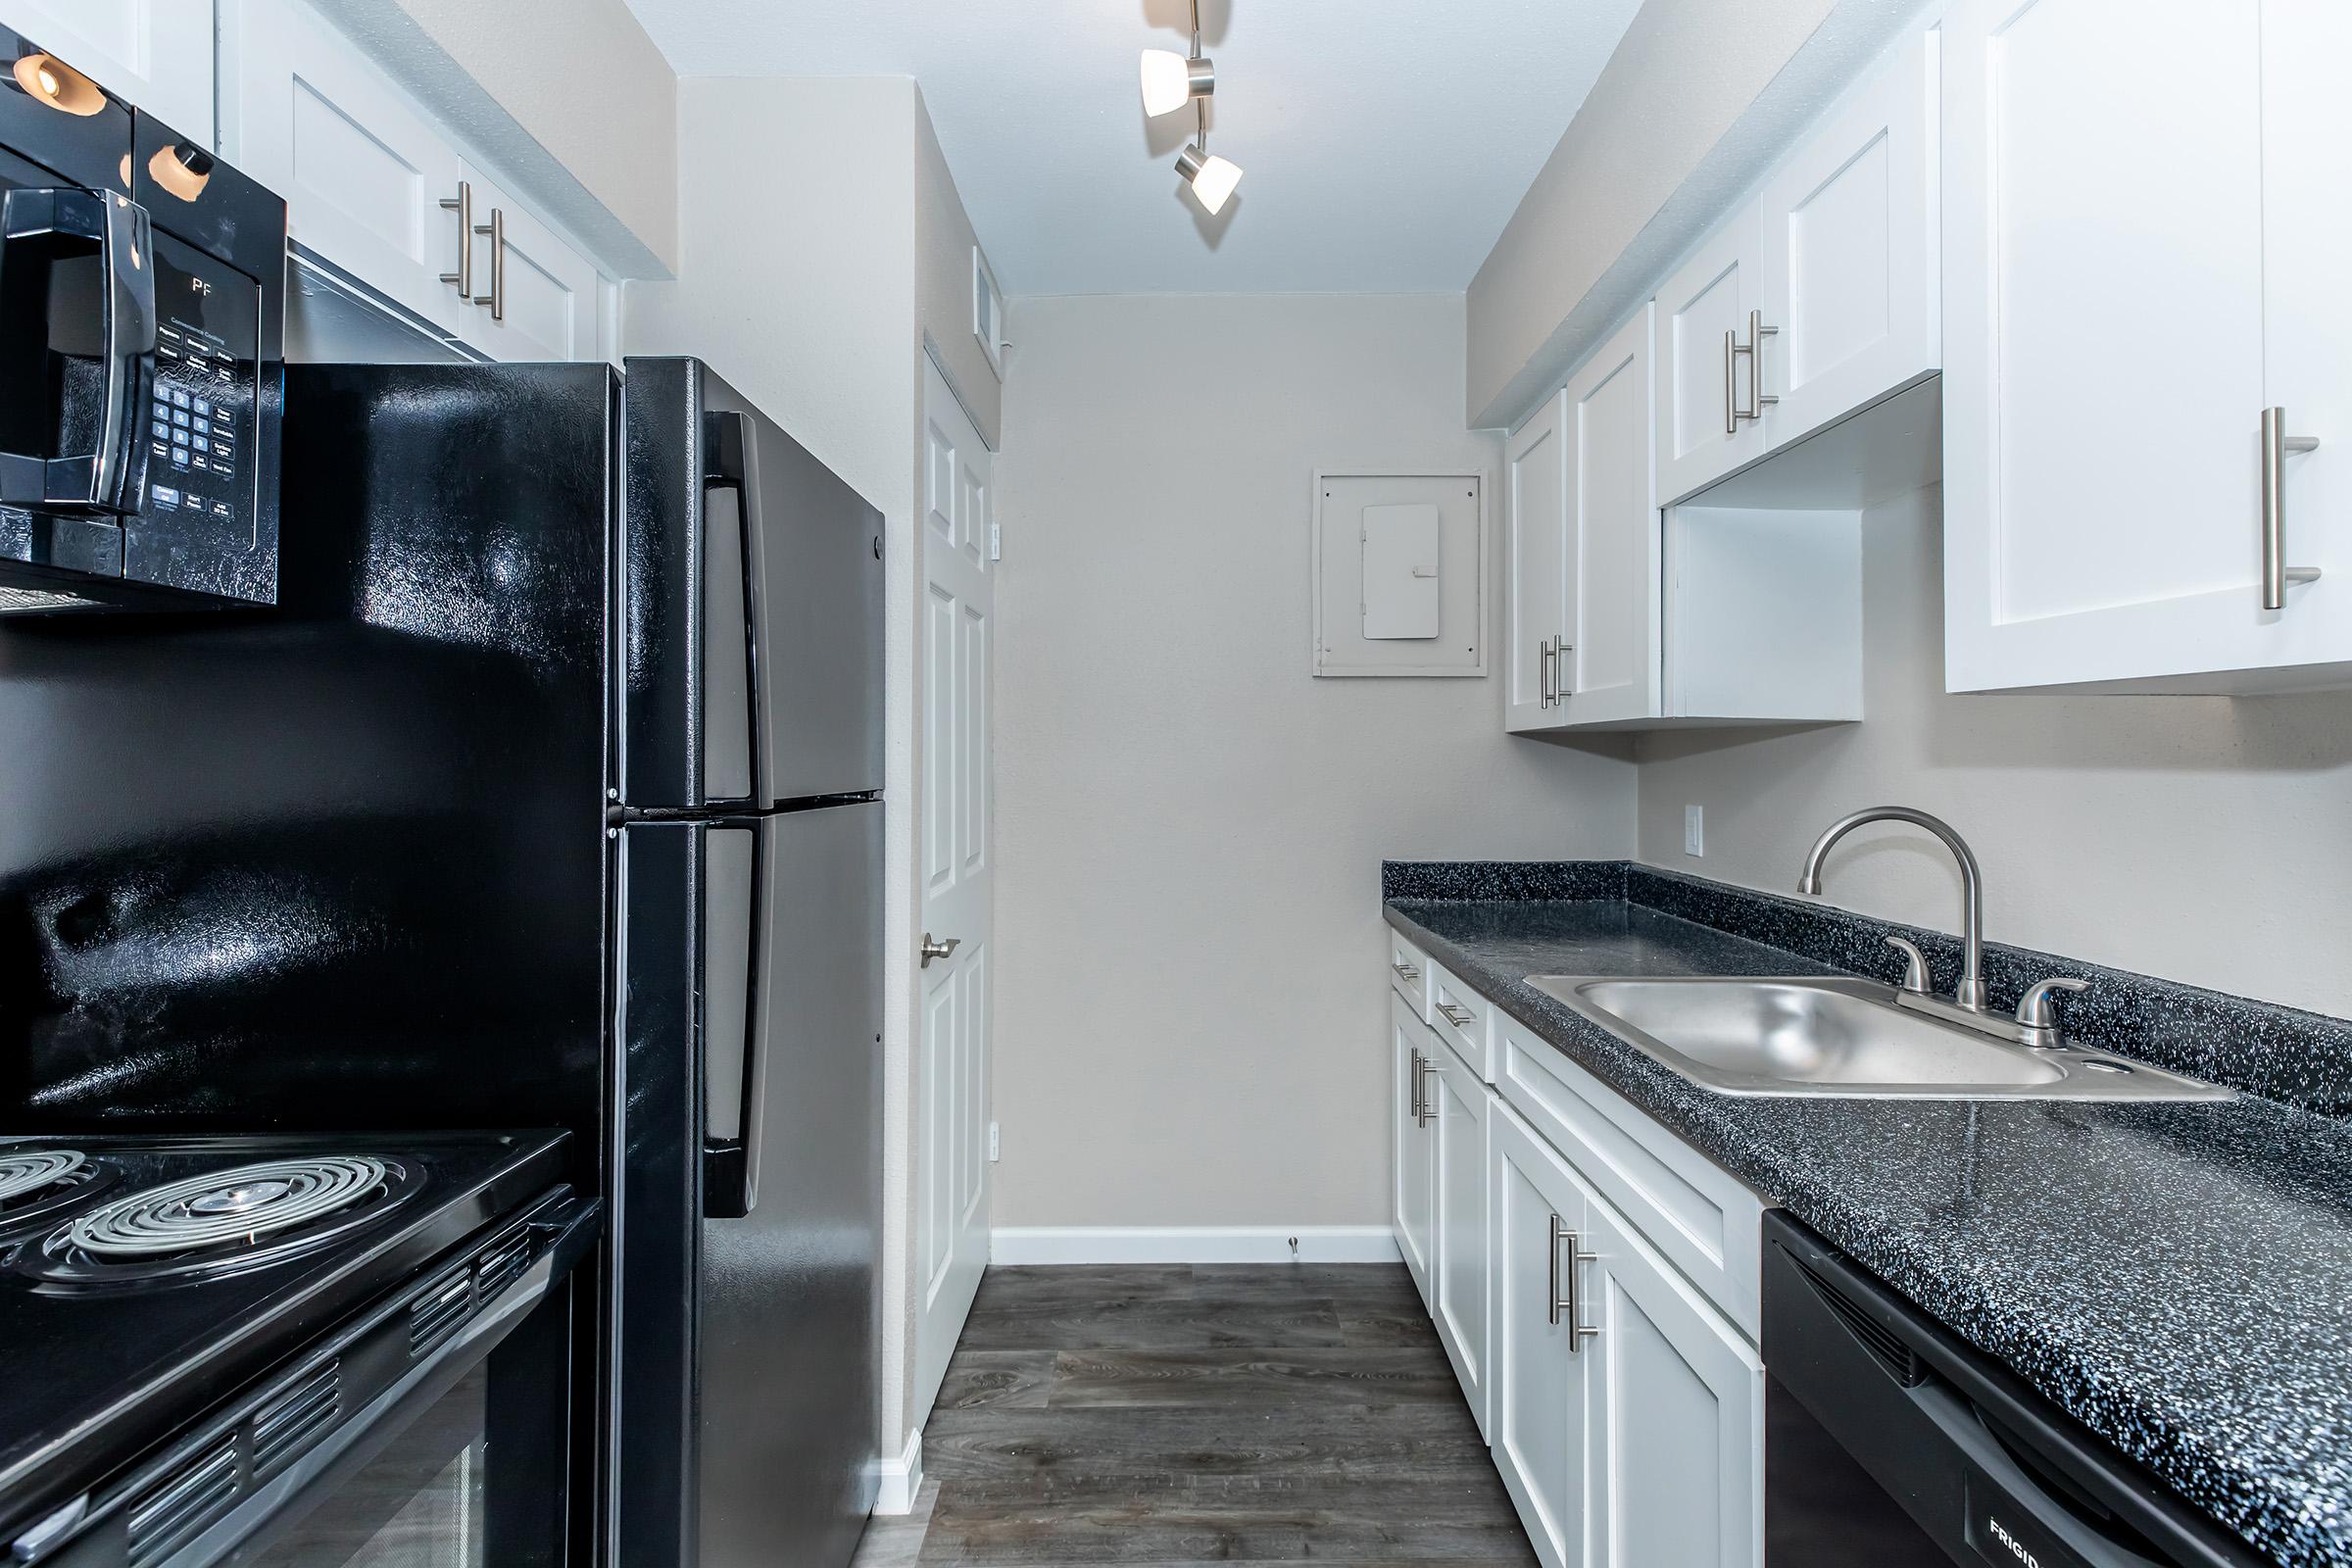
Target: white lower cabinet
1460 1109
1410 1142
1608 1365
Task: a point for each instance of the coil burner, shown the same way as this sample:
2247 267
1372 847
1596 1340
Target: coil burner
35 1183
224 1222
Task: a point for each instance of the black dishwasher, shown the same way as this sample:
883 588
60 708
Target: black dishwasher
1888 1441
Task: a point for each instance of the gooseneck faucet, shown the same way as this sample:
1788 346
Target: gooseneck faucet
1970 992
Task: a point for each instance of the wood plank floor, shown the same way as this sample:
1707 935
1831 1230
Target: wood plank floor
1171 1415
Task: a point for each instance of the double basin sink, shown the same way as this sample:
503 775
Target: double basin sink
1833 1036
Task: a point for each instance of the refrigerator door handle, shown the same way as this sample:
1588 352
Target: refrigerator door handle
735 1074
729 464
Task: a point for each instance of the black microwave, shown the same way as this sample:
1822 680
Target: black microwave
142 316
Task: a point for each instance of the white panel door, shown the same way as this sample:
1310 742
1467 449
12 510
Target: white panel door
1705 424
1610 670
1535 492
157 54
2103 339
363 171
1411 1143
1674 1410
957 646
1460 1106
1536 1409
1851 252
2307 315
534 297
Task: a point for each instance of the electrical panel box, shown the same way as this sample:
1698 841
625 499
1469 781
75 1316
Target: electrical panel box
1400 569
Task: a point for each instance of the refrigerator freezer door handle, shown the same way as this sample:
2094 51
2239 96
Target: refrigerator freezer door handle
729 462
731 1165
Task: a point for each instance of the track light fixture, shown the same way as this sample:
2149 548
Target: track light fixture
1171 80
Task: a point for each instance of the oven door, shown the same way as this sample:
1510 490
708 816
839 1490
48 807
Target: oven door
435 1432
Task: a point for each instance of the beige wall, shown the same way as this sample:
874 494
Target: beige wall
824 338
1699 99
2204 839
569 97
1188 825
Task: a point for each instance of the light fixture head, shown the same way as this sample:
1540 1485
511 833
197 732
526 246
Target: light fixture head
1212 178
50 80
1171 80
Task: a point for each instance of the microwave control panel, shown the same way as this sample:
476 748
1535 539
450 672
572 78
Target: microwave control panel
200 426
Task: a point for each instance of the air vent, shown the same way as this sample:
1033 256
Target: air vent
184 1506
502 1262
287 1426
440 1309
1885 1347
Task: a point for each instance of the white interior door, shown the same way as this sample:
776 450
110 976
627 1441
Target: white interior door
957 640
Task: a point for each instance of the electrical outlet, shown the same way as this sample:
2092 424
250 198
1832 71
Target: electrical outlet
992 1143
1694 831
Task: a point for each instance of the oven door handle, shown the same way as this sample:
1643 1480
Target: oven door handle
112 478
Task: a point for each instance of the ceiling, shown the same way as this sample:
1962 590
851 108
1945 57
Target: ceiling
1384 142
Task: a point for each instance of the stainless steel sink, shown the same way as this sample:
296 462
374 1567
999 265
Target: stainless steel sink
1829 1035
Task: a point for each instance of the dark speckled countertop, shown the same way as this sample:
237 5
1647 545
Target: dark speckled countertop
2177 1277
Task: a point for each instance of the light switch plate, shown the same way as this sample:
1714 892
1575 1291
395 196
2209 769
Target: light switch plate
1694 831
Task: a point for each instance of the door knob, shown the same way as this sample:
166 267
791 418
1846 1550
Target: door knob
939 948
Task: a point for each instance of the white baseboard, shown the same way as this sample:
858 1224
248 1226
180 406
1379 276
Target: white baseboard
1191 1244
900 1478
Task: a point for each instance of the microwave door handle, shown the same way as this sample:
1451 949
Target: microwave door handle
731 464
731 1165
113 479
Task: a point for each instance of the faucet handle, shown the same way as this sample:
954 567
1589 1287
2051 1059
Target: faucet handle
2033 1007
1915 964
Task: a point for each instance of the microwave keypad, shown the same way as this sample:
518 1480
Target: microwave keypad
199 423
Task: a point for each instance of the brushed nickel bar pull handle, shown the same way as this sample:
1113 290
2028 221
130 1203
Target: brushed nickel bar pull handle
1731 378
1757 332
463 208
1406 971
1416 1090
1448 1011
1578 1257
1544 673
495 228
2275 445
1553 1306
1429 1110
1560 689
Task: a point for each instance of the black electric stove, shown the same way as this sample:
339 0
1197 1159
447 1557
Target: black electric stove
149 1287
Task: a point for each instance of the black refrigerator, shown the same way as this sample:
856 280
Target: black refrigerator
547 795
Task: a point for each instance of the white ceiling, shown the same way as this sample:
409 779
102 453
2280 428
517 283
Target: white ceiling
1384 143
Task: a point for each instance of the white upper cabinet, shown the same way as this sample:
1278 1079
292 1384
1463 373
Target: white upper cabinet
1705 616
1851 305
1536 498
1818 296
1707 424
363 171
2143 239
534 297
157 54
379 189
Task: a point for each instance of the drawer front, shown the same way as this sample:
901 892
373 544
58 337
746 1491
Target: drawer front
1704 1221
1409 973
1464 1018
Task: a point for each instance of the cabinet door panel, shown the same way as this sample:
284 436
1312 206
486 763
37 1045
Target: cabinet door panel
1610 669
2103 344
364 172
1850 263
1675 1412
2306 311
1458 1265
548 290
1537 1404
157 54
1537 493
1709 296
1409 1151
